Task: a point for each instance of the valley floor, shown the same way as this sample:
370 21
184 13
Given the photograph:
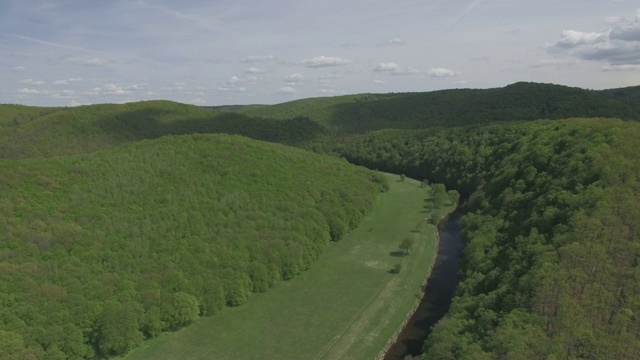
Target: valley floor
346 306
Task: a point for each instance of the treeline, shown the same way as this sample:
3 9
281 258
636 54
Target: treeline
101 251
551 265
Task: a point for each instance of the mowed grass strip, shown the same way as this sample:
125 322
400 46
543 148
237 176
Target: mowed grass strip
346 306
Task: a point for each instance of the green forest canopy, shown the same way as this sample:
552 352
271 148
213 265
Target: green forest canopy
102 250
455 107
551 265
44 132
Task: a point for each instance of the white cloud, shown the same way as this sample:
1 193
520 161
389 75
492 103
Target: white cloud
27 91
64 94
287 90
395 69
33 82
94 91
257 58
327 91
441 72
74 103
329 78
238 83
254 70
197 101
617 46
386 67
76 61
295 78
233 85
113 89
232 88
572 38
407 72
323 61
394 41
18 68
93 62
67 81
379 82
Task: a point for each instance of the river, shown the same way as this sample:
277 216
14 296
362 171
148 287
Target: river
437 294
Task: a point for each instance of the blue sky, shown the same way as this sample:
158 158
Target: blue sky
72 52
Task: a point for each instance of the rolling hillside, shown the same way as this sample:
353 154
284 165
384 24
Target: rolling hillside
44 132
519 101
102 250
27 132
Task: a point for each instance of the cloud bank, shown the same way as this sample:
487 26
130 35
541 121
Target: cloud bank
618 47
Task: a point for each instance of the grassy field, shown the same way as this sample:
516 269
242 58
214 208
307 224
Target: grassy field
346 306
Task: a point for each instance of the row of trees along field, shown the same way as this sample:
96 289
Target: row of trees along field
551 268
100 251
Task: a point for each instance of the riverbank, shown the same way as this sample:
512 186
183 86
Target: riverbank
438 292
392 346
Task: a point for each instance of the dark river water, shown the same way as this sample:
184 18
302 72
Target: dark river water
437 293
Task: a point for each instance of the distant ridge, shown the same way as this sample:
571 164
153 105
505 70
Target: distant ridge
45 132
518 101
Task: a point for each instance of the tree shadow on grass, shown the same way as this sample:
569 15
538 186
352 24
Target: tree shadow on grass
398 253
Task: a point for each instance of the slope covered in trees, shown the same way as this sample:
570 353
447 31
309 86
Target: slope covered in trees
519 101
27 132
45 132
102 250
551 268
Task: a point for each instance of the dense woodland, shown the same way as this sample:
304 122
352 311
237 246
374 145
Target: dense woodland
551 265
550 269
520 101
27 132
100 251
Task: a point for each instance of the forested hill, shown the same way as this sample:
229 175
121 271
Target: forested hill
519 101
45 132
99 251
551 264
27 132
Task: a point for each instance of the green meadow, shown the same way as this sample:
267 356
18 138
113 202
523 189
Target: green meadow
347 306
